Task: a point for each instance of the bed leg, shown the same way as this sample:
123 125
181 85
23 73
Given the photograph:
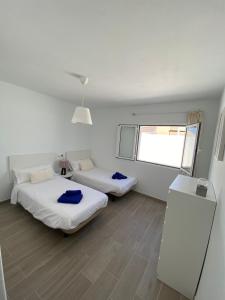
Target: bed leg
111 197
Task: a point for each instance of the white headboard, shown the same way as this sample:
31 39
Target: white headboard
22 161
77 155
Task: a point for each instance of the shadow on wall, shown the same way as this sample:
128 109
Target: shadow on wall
6 184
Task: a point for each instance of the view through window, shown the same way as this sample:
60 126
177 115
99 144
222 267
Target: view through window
161 145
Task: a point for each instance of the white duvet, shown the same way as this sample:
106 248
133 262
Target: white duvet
102 180
40 199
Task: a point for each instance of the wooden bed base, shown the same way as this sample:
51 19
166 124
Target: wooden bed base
82 224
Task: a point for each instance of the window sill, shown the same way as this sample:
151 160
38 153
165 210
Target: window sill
160 165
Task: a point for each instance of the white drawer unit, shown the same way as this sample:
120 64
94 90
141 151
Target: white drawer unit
186 232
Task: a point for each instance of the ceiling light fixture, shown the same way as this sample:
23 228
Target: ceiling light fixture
81 114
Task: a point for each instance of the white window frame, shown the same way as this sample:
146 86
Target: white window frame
136 143
196 148
134 150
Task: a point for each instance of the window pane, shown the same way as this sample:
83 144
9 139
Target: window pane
127 140
161 144
190 145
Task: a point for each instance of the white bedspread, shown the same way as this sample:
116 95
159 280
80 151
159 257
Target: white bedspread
102 180
40 199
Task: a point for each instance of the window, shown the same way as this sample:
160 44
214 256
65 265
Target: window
168 145
161 145
155 144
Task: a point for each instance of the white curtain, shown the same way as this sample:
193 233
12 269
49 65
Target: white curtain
194 117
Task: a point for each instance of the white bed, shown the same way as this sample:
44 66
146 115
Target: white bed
100 179
40 199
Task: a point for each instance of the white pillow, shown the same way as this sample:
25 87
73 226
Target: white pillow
86 164
23 175
75 164
41 175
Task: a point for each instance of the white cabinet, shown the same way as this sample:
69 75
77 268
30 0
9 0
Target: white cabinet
186 232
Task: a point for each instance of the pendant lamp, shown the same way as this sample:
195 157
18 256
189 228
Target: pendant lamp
82 114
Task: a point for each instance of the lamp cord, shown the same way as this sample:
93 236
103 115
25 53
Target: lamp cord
82 101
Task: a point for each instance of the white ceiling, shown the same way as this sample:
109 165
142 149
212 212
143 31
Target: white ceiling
133 51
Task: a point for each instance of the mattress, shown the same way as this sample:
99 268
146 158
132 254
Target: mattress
101 180
40 199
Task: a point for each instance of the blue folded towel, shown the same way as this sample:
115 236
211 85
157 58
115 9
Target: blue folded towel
71 197
118 176
73 192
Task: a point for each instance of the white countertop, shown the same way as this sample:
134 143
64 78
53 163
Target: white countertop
188 185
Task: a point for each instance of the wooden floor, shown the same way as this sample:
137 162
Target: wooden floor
114 257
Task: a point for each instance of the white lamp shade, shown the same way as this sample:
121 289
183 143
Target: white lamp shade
82 115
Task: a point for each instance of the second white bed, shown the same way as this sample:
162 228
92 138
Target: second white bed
102 180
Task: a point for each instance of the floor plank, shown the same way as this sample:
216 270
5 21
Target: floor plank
167 293
102 288
147 285
76 287
130 278
99 262
120 261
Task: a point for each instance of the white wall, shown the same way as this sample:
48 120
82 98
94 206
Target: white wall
153 180
33 123
212 284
